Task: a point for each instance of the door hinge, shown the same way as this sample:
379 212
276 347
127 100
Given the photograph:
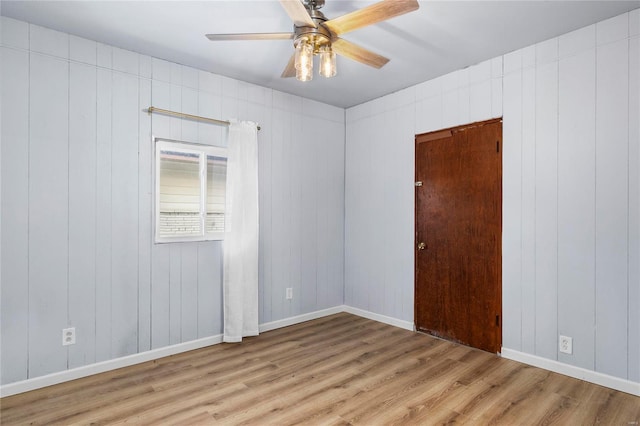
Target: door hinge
497 320
418 183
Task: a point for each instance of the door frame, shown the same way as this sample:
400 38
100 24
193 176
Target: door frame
440 134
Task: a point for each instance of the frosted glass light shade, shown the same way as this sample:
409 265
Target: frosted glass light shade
327 62
304 55
304 74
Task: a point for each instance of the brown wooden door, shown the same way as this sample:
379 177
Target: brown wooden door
459 220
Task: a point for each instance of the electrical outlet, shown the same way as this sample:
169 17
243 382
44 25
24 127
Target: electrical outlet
68 336
289 293
566 345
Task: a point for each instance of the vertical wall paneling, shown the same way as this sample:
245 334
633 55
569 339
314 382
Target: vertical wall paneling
160 70
48 223
375 177
189 102
209 105
104 55
48 42
281 127
576 202
82 212
145 212
405 266
564 203
124 215
160 253
463 103
480 101
189 295
298 179
14 308
429 114
14 33
282 265
161 126
175 102
496 97
322 207
143 292
352 204
82 50
612 149
77 237
528 271
125 61
512 212
368 251
634 205
160 295
103 215
310 198
265 222
450 106
175 293
546 210
336 216
358 213
209 289
387 194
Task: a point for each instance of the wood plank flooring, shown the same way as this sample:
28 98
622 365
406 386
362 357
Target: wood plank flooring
341 369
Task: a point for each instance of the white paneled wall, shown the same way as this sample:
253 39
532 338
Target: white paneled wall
76 176
379 179
77 202
571 192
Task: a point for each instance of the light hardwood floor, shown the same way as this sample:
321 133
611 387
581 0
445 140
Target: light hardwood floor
341 369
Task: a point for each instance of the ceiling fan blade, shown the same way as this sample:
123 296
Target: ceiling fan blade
377 12
250 36
290 69
357 53
298 13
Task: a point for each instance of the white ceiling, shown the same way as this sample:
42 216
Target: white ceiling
440 37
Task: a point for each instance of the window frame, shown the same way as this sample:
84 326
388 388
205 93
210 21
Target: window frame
202 151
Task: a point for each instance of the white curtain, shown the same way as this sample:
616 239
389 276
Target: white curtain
240 286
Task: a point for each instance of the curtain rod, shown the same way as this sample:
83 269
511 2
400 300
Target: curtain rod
153 109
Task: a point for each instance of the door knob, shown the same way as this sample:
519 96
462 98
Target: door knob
422 246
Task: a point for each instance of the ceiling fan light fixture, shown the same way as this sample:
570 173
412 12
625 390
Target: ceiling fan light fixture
327 61
304 74
304 60
304 54
315 34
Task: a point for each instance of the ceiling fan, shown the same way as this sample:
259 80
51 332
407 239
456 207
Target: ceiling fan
314 34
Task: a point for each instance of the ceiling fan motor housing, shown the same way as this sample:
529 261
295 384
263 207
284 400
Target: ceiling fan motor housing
313 4
318 36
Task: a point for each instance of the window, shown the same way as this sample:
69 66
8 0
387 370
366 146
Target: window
190 191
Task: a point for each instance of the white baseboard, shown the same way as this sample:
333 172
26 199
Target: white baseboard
101 367
576 372
113 364
300 318
380 318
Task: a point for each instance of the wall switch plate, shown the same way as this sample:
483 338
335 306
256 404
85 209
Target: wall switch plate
68 336
565 345
289 293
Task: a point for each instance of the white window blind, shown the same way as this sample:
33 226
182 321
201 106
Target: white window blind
190 191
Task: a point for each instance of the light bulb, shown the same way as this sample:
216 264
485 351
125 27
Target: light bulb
304 55
327 62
